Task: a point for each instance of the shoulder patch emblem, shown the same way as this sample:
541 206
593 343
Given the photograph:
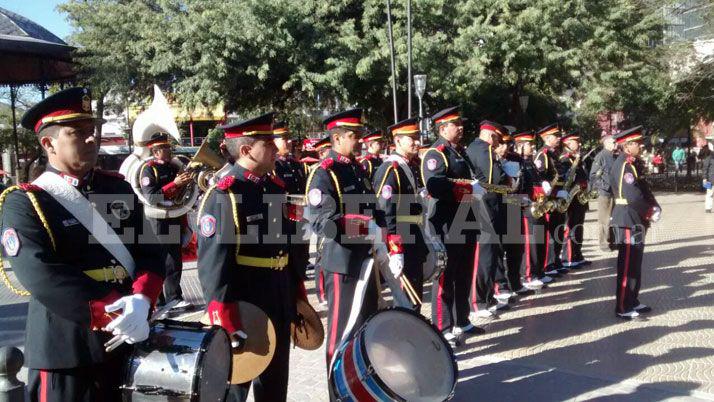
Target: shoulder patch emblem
314 196
538 163
145 181
431 164
387 192
629 178
226 182
208 225
11 242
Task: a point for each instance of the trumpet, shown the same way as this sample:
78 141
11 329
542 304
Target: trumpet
491 188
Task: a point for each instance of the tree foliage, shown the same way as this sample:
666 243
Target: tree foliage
304 57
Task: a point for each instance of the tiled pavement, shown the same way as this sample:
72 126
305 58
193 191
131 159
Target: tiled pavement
565 343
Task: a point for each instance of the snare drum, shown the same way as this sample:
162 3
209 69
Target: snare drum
181 361
395 356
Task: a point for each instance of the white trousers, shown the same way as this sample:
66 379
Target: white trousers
709 199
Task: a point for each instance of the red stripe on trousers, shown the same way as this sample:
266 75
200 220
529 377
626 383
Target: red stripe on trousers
353 378
440 304
321 283
474 279
547 241
570 244
528 249
623 283
43 386
335 314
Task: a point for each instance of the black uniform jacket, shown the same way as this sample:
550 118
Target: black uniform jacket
566 161
487 169
634 201
341 203
243 248
441 162
370 163
398 198
157 182
546 161
70 276
292 173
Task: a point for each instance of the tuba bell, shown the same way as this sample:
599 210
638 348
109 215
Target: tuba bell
157 118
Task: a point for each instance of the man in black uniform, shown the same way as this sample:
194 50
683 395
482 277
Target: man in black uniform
292 173
550 170
342 210
161 183
487 169
448 177
635 208
252 266
373 159
397 188
533 228
600 181
571 254
82 288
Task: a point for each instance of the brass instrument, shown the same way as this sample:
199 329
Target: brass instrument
491 188
562 204
541 206
204 164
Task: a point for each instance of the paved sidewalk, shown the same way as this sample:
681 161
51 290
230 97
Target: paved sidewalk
564 343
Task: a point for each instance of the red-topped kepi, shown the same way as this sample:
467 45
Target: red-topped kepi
524 136
629 135
280 128
409 127
259 126
552 129
493 126
323 143
448 115
73 104
349 119
573 135
157 140
375 135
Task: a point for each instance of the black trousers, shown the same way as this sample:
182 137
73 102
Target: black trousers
533 247
450 292
414 269
83 384
514 256
272 384
486 260
340 290
630 250
554 225
173 262
573 233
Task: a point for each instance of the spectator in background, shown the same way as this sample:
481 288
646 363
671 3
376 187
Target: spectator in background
705 155
657 162
678 157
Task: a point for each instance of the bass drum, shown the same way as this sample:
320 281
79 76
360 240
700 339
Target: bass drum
181 361
395 356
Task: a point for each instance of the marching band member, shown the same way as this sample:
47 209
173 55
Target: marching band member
373 160
322 146
341 209
635 208
487 169
448 178
85 279
571 254
397 188
236 263
161 182
546 161
533 228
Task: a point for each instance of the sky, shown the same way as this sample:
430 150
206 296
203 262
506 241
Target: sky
42 12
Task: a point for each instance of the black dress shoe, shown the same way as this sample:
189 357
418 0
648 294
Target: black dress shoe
473 330
643 309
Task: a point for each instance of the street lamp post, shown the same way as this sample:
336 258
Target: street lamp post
420 88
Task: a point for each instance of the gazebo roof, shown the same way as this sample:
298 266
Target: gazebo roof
31 53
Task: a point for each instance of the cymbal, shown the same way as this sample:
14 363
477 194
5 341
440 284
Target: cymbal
307 331
259 347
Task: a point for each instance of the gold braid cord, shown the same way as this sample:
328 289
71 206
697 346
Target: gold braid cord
43 219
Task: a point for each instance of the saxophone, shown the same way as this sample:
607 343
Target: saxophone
562 204
491 188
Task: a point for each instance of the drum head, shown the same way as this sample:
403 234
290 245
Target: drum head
308 333
409 356
214 366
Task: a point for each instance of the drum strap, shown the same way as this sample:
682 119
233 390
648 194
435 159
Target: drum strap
74 202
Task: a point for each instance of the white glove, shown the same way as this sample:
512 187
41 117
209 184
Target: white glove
512 169
238 339
476 190
656 214
562 194
133 322
396 264
546 188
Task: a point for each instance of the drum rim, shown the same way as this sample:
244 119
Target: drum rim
211 333
374 374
